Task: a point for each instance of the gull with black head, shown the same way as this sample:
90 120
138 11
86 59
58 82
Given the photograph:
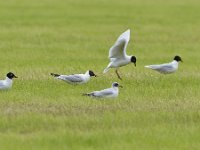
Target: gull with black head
7 83
75 78
106 93
166 68
117 53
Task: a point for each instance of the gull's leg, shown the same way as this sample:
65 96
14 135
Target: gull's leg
118 74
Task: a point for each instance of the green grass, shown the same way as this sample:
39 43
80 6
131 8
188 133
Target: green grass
152 111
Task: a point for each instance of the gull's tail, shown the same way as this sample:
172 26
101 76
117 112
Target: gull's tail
106 69
54 74
148 66
152 67
88 94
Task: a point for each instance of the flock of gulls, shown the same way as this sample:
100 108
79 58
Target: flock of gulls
118 58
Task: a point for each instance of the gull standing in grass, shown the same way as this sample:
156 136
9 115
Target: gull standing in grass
106 93
117 53
7 83
75 78
166 68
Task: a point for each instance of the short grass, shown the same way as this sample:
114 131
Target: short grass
152 111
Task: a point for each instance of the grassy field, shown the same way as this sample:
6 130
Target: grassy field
152 111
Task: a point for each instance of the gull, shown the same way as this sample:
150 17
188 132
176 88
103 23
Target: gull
75 78
7 83
106 93
166 68
117 53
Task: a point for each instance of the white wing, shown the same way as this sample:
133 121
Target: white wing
102 93
71 78
118 50
2 85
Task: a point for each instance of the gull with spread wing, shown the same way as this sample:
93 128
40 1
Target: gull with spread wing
117 53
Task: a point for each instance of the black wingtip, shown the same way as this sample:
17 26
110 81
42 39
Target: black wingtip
85 94
54 74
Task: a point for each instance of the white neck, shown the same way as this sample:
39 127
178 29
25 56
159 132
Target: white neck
174 61
8 82
8 79
87 76
128 57
87 73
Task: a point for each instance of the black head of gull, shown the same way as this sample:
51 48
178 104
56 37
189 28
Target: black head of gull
115 84
133 60
178 58
11 75
91 73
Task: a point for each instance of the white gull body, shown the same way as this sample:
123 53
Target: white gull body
117 53
166 68
75 78
106 93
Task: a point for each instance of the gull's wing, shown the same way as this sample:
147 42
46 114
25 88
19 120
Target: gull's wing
102 93
118 50
2 85
71 78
